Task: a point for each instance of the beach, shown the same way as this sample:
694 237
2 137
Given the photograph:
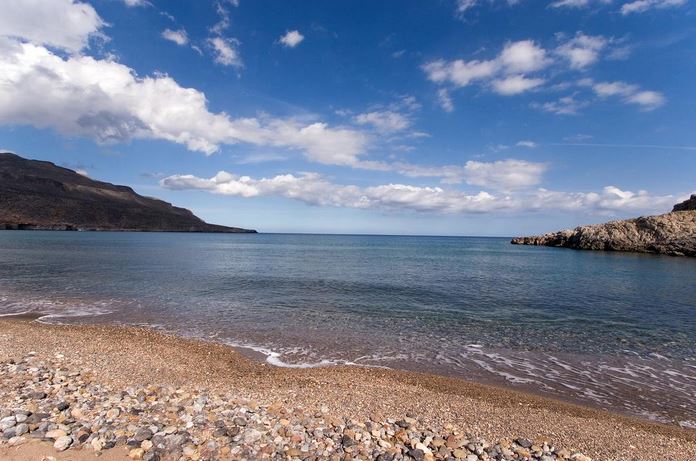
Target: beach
127 358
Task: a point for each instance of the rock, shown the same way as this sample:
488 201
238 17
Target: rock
136 453
62 406
524 443
687 205
151 456
21 429
671 234
251 436
63 443
38 395
143 434
239 421
7 422
55 434
97 444
417 454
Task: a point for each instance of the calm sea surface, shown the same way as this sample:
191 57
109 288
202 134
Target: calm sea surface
616 331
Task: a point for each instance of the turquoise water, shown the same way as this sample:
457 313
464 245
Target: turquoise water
611 330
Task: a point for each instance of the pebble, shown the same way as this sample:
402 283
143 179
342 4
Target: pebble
155 423
62 443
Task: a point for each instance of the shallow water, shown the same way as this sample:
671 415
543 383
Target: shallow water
612 330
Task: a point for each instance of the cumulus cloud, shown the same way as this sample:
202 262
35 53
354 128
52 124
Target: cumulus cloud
640 6
505 73
582 50
314 189
629 93
523 56
509 174
291 39
180 37
64 24
516 84
504 174
106 101
385 121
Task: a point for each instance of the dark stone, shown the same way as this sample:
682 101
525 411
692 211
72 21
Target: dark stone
37 395
63 406
151 456
386 457
143 434
36 418
417 454
524 443
404 424
347 441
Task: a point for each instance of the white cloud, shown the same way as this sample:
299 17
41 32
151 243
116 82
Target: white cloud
292 38
630 94
64 24
458 72
566 105
640 6
526 143
523 56
647 99
504 174
443 97
177 36
577 3
133 3
226 52
505 72
313 189
106 101
385 121
507 174
582 50
516 84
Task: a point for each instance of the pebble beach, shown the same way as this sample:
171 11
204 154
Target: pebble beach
82 392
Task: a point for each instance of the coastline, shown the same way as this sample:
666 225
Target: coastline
127 356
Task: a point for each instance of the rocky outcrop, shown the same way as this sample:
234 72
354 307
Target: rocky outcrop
40 195
686 205
671 234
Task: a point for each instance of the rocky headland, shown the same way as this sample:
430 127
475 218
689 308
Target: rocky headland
671 233
38 195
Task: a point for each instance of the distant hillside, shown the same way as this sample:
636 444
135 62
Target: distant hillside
40 195
670 233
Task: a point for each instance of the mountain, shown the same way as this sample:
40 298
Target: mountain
670 233
40 195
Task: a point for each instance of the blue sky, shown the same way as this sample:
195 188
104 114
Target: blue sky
466 117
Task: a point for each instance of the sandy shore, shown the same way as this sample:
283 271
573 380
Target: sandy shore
121 357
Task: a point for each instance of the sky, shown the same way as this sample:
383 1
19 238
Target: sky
443 117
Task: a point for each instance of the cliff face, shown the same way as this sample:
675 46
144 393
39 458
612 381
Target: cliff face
40 195
671 233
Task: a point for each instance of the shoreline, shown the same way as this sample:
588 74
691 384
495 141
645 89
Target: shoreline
128 356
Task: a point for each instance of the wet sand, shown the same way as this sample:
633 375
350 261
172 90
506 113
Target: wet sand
125 356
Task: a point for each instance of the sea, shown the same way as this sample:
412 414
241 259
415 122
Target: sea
610 330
